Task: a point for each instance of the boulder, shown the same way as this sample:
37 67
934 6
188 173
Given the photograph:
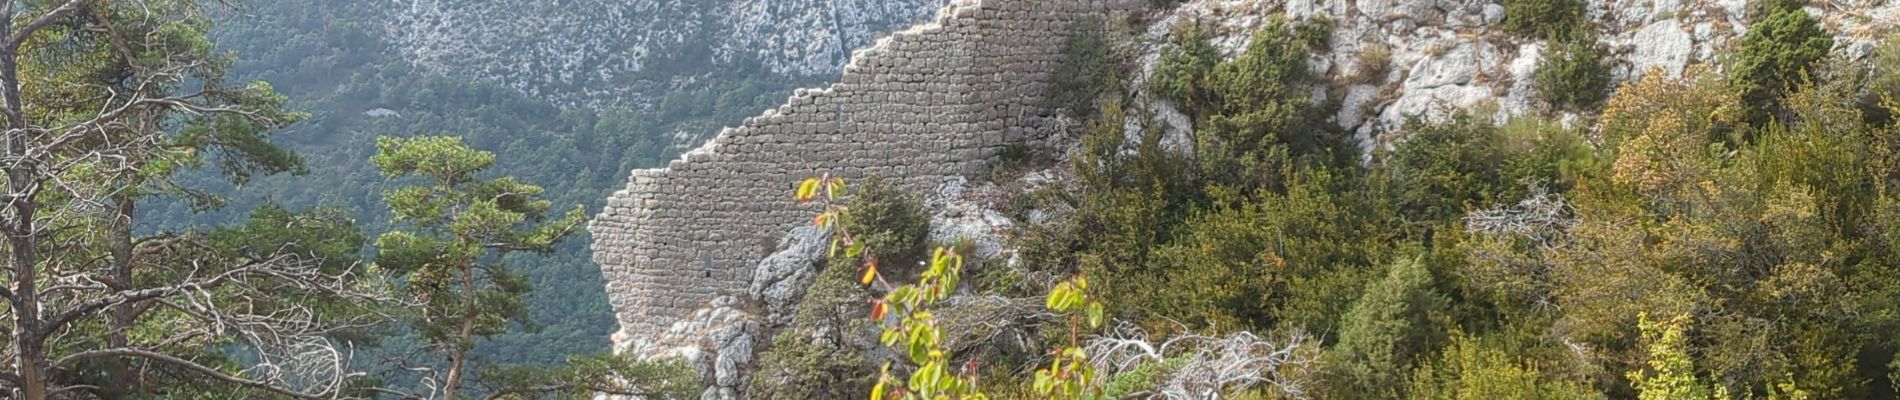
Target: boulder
781 278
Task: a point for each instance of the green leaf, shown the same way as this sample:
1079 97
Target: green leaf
807 190
1055 296
1096 315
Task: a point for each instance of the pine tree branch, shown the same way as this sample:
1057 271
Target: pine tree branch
27 30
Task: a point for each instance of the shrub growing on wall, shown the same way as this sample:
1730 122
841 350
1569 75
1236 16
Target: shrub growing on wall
1091 67
891 223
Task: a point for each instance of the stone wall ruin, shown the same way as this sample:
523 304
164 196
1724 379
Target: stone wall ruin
926 104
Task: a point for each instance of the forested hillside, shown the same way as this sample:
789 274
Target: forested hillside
338 61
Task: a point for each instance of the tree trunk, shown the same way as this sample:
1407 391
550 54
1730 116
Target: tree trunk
466 338
118 375
28 342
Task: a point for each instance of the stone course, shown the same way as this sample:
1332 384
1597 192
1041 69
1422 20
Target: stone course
924 105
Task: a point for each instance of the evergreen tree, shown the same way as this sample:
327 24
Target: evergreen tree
1778 53
106 104
461 225
1387 329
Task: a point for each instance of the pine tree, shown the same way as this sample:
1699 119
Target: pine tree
1387 329
460 227
105 105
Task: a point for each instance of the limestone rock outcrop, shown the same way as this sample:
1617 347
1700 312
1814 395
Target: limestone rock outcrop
595 52
1447 55
780 280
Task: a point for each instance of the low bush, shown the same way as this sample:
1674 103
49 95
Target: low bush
1091 68
1543 19
1780 51
1571 74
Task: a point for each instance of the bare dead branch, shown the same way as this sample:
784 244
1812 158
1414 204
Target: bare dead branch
1214 365
188 365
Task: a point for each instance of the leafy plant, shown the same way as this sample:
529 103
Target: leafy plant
1777 53
915 332
1671 372
1070 374
1543 19
1571 73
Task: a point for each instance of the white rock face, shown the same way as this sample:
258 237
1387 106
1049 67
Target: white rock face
781 279
592 52
1448 55
1662 45
716 340
959 213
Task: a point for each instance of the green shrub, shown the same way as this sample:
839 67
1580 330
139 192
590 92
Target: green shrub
890 223
1387 330
1261 111
1442 169
1091 68
1544 19
1778 52
1883 81
1184 68
1474 368
796 367
1571 74
1145 377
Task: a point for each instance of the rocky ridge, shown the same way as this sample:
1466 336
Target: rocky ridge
1445 55
591 52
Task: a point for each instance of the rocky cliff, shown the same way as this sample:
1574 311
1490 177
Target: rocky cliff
1441 55
593 52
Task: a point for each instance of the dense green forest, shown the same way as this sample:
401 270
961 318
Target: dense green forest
329 59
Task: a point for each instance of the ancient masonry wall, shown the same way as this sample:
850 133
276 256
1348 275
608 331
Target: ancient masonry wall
932 102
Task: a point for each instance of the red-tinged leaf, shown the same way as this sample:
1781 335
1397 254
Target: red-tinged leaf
821 219
878 309
807 190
